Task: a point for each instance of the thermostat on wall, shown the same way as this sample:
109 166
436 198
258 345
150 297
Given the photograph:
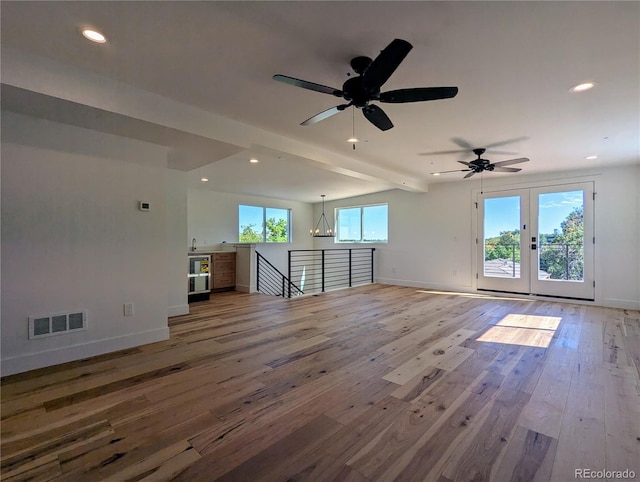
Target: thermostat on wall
144 206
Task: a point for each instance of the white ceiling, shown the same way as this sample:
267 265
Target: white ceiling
513 63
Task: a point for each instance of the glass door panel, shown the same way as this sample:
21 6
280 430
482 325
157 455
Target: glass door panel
500 242
562 254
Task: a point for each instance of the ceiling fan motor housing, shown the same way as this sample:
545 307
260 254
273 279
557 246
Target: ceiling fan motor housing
355 90
360 64
480 164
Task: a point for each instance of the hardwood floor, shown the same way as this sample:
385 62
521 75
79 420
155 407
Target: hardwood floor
376 383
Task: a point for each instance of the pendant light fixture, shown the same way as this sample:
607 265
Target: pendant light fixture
323 228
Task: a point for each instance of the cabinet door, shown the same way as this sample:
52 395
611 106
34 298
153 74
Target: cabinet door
223 281
224 270
224 266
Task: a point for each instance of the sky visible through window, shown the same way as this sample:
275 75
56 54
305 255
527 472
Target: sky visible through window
371 220
251 215
503 213
375 222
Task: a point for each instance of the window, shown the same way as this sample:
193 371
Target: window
363 224
263 225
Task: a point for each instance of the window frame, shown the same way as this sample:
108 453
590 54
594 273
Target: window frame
361 208
264 225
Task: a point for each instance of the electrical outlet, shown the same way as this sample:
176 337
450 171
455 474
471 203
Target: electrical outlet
128 309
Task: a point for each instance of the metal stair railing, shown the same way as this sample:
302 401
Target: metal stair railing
319 270
270 281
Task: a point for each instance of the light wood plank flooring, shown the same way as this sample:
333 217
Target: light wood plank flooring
376 383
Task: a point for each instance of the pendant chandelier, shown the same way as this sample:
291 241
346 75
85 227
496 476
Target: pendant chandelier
323 228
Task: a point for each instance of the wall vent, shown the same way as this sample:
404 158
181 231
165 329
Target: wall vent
57 324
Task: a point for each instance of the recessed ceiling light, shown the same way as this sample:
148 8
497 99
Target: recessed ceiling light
591 157
94 35
435 173
582 87
254 160
204 179
352 139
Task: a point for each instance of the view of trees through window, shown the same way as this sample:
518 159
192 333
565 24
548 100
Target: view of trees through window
561 253
263 225
505 246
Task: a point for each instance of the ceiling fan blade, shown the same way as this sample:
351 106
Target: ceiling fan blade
437 153
465 163
418 94
487 147
462 143
324 114
455 170
506 169
503 143
510 161
489 150
307 85
386 63
377 117
470 174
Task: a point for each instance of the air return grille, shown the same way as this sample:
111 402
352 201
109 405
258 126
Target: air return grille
58 324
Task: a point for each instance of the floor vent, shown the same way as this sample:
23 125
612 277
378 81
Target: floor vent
58 324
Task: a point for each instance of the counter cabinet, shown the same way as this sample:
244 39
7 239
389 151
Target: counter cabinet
224 271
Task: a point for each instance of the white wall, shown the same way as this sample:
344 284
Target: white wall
213 218
431 235
74 239
618 238
176 238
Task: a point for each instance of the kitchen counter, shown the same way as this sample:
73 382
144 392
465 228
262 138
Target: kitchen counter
197 252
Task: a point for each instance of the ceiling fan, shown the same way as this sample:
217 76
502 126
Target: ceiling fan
480 165
359 91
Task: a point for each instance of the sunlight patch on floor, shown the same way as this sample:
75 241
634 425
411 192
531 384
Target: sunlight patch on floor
525 330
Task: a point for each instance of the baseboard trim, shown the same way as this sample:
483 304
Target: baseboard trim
421 284
624 304
605 302
32 361
246 288
178 310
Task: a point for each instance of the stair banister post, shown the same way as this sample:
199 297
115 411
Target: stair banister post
289 272
372 250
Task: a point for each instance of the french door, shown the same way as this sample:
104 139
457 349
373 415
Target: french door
537 241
